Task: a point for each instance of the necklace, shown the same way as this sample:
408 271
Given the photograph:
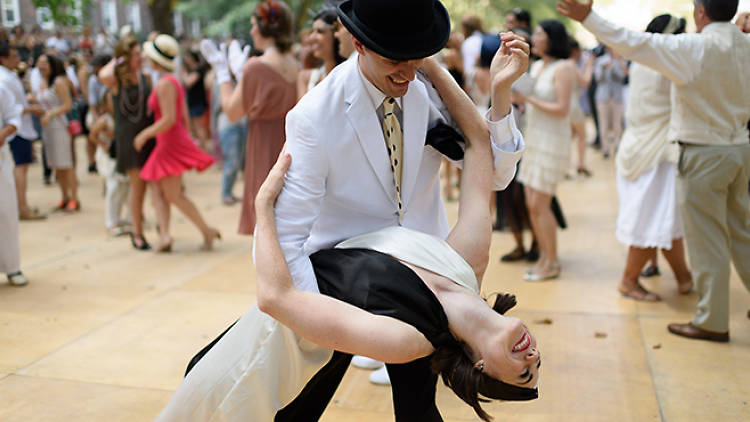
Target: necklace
132 111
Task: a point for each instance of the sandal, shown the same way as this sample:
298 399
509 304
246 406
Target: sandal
639 293
32 215
584 171
141 244
208 241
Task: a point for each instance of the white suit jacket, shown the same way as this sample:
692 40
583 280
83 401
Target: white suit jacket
340 183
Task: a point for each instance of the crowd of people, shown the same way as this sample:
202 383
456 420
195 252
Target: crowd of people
314 107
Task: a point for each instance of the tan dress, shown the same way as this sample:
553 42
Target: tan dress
547 137
268 97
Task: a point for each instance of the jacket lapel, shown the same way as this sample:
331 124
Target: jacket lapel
363 118
416 116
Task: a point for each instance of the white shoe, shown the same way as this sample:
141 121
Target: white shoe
363 362
380 377
17 279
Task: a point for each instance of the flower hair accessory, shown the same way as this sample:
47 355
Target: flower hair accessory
269 11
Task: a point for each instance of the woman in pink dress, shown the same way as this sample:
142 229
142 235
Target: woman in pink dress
175 150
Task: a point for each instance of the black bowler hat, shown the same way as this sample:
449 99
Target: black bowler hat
398 29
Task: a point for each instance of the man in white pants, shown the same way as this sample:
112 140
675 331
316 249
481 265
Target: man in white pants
710 72
10 260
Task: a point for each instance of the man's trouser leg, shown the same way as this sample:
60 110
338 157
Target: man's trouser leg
738 216
705 174
413 385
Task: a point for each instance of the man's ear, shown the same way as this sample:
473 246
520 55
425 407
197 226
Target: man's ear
358 46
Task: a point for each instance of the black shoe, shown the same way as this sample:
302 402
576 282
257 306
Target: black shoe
92 168
144 246
516 254
650 271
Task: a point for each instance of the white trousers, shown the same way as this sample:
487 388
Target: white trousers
10 256
116 190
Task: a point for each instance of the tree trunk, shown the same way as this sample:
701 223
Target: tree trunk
161 16
302 16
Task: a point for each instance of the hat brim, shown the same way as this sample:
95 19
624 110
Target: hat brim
151 53
415 46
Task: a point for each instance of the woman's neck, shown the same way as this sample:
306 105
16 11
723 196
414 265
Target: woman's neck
547 59
470 318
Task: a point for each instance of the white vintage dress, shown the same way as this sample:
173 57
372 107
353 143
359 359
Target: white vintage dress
548 138
646 166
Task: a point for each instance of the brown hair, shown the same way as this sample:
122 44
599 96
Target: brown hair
123 55
456 367
471 24
275 20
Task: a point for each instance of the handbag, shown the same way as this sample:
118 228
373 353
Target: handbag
75 128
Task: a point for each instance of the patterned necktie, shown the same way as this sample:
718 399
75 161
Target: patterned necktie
394 140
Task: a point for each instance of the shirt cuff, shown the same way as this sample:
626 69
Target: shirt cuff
504 133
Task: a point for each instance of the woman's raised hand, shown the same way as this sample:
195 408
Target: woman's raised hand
237 56
217 58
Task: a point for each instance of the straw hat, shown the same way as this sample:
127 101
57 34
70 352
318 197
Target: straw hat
163 50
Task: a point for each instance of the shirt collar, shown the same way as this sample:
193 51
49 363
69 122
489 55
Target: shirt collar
374 93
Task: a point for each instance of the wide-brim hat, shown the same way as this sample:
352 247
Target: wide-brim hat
163 50
398 29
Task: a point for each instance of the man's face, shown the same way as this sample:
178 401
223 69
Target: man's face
10 62
511 22
391 77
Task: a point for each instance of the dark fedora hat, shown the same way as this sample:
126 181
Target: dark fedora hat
398 29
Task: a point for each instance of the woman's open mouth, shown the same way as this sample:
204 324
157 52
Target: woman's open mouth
523 343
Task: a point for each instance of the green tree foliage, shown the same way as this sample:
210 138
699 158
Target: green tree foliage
493 12
226 17
62 10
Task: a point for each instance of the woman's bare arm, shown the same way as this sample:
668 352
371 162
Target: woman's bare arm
107 75
231 99
321 319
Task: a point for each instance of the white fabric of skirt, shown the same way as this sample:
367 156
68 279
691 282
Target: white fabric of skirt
649 216
10 257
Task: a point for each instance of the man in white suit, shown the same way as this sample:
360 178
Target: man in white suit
710 72
348 176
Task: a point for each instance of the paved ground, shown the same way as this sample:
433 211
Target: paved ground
103 332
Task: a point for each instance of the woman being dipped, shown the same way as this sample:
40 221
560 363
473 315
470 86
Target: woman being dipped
548 139
266 90
175 150
325 47
130 92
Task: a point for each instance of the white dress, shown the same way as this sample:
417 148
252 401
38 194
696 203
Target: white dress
259 366
55 137
548 138
646 171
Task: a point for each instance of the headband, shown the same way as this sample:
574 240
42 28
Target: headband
673 25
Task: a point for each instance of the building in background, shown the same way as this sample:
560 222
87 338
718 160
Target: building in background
108 14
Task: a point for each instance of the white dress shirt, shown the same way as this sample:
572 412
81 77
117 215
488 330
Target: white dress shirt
710 72
10 111
10 81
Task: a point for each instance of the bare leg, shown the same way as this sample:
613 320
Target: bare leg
172 189
72 184
137 192
629 286
63 180
200 133
161 206
579 134
545 229
676 259
19 175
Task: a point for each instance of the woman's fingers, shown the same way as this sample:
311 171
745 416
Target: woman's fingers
271 187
